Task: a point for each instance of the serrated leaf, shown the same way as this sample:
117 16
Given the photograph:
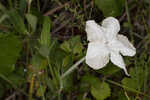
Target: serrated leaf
45 34
100 91
110 7
10 47
32 20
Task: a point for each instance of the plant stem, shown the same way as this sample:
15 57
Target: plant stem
126 95
72 67
127 88
29 5
10 3
41 89
31 87
129 20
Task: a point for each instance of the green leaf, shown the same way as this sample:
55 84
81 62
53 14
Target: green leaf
68 83
17 21
66 60
110 69
65 46
17 77
44 51
40 91
128 82
74 44
110 7
45 34
2 90
78 48
38 62
22 6
32 20
10 47
137 78
138 75
90 79
121 95
100 90
74 40
58 59
82 97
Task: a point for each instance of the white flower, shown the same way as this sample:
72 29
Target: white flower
105 43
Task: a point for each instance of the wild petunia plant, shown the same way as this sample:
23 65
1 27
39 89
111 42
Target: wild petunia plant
105 43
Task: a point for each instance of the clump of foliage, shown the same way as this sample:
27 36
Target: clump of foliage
40 40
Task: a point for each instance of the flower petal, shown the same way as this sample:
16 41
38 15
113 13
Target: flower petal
97 55
94 31
112 27
117 59
127 49
122 45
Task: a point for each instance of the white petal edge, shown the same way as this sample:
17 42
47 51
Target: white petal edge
127 49
94 31
97 55
112 27
117 59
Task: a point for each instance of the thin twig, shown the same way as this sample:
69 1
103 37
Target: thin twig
50 12
125 14
67 22
61 26
142 41
12 96
122 17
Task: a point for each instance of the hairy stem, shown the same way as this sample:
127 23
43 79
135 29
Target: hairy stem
73 67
